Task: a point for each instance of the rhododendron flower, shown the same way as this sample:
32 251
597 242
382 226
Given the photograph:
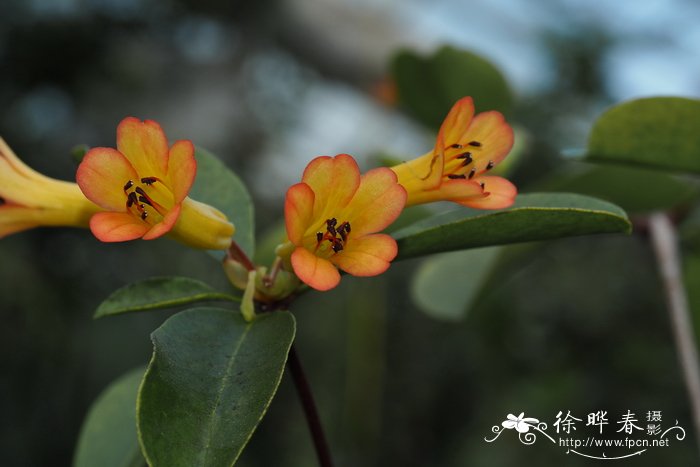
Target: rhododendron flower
466 148
29 199
333 215
143 185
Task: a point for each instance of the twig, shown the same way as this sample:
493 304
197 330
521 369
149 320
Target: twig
665 243
307 402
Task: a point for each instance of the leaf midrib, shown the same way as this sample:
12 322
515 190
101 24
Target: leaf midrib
224 383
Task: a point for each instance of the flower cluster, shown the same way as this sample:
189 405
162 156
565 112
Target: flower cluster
334 217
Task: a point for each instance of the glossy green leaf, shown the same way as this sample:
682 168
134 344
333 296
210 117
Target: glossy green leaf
209 383
540 216
108 436
659 132
621 185
159 292
429 86
218 186
446 286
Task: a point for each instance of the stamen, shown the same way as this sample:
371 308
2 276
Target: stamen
475 144
456 146
145 200
144 215
131 200
490 165
347 227
149 180
128 185
337 246
472 172
330 226
456 176
467 159
319 237
483 185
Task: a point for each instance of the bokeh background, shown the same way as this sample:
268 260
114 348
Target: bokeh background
575 324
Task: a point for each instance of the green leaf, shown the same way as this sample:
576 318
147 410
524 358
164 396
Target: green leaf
108 436
218 186
446 286
691 279
429 86
209 383
533 217
659 132
159 292
621 185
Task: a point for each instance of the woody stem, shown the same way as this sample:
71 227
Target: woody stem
665 244
309 406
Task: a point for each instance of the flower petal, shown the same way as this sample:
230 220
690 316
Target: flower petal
501 194
377 203
117 226
456 190
522 427
102 175
316 272
164 226
495 135
455 125
334 181
298 211
366 256
145 145
182 168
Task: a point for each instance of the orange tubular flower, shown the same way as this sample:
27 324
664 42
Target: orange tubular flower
466 148
143 187
29 199
332 217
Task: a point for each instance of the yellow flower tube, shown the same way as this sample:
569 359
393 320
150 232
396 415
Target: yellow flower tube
30 199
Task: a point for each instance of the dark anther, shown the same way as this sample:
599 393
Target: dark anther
319 236
472 172
490 165
456 146
347 227
128 185
131 199
483 185
464 155
330 226
140 191
337 246
149 180
456 176
475 144
467 159
144 215
145 200
343 235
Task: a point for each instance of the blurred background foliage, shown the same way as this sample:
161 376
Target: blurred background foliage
576 324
